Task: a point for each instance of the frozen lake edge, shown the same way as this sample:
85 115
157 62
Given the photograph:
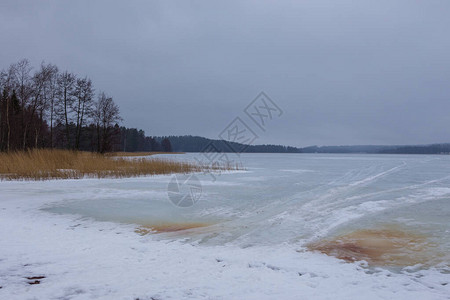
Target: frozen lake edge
82 258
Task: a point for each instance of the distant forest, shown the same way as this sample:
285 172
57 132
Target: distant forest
133 140
382 149
49 108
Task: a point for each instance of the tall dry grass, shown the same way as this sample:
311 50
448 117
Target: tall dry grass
139 153
52 164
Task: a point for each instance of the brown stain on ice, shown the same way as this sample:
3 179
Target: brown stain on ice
387 246
169 227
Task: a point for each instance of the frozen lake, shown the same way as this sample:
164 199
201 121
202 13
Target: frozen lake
284 198
252 238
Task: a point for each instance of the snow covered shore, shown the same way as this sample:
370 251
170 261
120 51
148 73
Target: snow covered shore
85 259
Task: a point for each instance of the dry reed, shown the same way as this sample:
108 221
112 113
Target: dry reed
63 164
139 153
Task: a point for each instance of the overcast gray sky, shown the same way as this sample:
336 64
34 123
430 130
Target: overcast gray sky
343 72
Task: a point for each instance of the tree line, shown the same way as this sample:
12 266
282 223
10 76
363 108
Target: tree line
135 140
382 149
419 149
49 108
189 143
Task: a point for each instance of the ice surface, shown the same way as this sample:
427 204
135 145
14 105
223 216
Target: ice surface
80 234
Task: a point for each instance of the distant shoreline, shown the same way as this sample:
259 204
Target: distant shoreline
188 143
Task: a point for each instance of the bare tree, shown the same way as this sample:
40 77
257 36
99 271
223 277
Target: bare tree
105 116
83 105
3 107
23 87
3 111
9 83
52 109
51 95
66 91
39 103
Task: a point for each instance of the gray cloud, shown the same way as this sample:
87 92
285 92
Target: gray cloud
344 72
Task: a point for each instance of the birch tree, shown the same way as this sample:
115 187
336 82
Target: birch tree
66 91
106 115
83 104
